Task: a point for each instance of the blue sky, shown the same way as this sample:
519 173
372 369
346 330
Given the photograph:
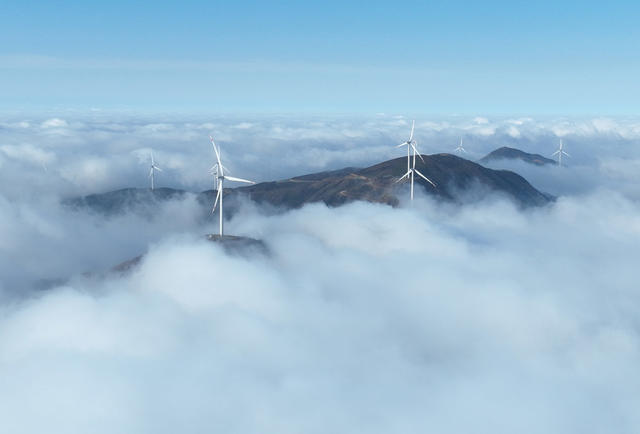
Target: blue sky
493 57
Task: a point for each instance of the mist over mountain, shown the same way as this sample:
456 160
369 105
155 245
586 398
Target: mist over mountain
80 153
125 200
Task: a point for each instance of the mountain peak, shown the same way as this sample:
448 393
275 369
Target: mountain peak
506 153
453 177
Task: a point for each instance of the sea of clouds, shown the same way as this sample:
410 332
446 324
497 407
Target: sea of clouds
363 318
71 153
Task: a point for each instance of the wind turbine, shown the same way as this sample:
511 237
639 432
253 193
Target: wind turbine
154 167
560 152
460 148
409 144
218 172
411 168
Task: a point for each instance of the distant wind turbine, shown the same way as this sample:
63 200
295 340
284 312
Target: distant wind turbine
411 143
560 152
460 149
154 167
411 168
218 172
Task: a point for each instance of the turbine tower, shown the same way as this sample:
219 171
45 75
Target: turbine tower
218 172
460 149
411 168
560 152
154 167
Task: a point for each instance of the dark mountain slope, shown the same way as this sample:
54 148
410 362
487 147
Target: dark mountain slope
456 179
506 153
126 199
453 176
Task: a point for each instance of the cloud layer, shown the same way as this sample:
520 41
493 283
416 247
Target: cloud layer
70 153
362 317
430 317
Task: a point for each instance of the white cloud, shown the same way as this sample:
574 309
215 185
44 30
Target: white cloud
514 132
54 123
243 126
276 147
361 316
29 153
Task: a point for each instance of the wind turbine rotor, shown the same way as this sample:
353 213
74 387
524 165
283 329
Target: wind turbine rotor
560 152
411 165
218 170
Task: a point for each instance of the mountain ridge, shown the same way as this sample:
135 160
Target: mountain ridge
454 177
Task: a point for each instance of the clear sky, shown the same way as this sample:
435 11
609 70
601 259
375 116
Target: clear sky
446 57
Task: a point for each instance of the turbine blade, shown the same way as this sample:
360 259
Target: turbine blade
555 153
157 168
215 204
566 153
406 175
424 177
217 151
415 151
413 124
232 178
402 144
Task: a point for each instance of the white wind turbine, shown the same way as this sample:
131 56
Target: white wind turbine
154 167
411 168
560 152
218 171
460 149
409 144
